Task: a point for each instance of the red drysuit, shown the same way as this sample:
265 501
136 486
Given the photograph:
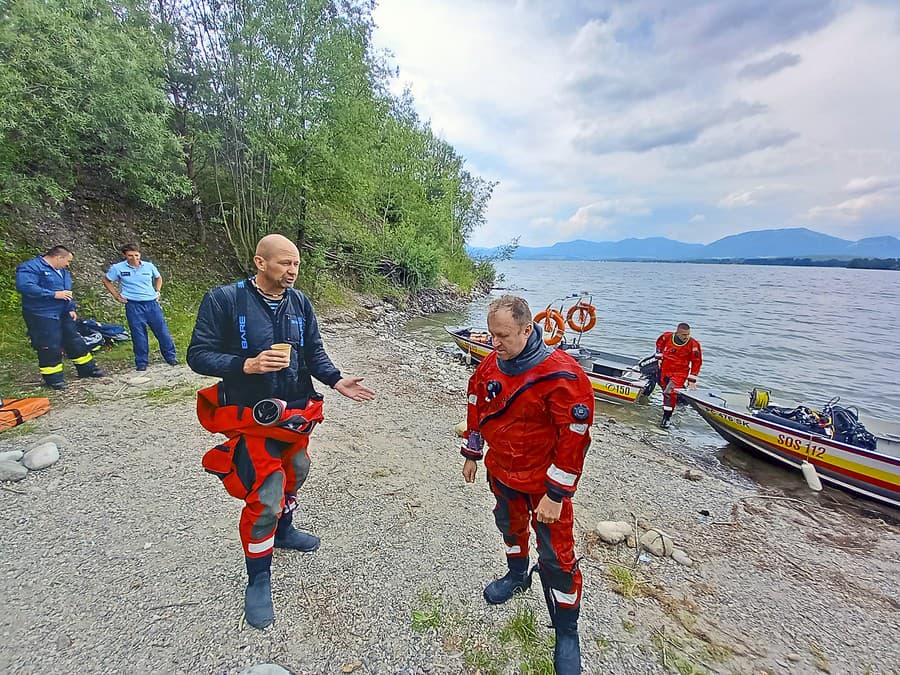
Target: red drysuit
680 363
536 425
263 465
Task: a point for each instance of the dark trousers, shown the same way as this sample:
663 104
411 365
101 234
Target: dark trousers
556 543
49 337
142 314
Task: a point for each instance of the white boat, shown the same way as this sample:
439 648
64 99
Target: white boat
863 460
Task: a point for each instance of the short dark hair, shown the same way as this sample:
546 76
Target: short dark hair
59 249
683 326
130 246
521 312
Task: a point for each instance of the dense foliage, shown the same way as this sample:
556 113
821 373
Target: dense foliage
254 116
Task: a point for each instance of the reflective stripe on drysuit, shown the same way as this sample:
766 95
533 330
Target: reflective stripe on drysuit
264 466
49 337
537 427
679 363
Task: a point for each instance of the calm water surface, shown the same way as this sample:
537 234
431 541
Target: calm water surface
806 334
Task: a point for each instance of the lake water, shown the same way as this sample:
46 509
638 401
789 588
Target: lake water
806 334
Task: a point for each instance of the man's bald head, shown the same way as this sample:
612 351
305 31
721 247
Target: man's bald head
277 262
275 244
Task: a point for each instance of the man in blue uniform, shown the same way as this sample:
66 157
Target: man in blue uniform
264 463
49 312
140 284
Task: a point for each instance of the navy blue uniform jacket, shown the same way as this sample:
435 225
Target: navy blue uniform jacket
234 323
37 281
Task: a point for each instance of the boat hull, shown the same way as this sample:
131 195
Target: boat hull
869 473
606 387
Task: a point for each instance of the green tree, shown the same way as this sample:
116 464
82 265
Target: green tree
82 93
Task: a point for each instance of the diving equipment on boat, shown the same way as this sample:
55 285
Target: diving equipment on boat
759 398
835 422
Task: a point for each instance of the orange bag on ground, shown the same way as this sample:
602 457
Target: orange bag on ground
15 411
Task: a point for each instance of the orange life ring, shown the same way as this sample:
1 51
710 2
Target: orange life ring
554 325
583 309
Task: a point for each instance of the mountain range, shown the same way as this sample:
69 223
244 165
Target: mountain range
782 243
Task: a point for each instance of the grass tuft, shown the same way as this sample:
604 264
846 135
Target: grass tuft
167 395
429 613
626 582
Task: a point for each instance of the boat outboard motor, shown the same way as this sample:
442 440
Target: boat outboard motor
649 368
847 427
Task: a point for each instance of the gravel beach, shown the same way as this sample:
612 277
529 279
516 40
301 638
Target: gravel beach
124 555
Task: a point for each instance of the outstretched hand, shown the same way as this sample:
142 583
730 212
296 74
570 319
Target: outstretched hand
351 388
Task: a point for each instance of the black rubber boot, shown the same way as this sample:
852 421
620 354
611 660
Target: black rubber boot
567 651
516 580
286 536
666 420
93 372
258 608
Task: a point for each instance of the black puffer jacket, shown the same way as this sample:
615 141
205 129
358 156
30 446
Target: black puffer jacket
234 324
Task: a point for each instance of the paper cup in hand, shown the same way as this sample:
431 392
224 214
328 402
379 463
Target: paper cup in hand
282 347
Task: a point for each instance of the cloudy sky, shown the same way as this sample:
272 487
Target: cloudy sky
690 119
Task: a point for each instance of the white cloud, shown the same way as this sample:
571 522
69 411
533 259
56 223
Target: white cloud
856 208
862 186
573 106
753 196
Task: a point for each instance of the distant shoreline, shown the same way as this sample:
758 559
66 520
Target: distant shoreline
854 263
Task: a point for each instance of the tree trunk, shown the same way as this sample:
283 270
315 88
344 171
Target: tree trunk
196 204
301 223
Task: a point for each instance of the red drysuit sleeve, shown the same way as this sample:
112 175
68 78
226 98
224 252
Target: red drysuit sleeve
572 411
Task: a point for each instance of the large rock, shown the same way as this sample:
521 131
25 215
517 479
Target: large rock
613 531
11 455
12 471
657 542
42 456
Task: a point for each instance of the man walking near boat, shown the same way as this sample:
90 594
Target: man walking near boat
533 406
262 338
140 284
680 361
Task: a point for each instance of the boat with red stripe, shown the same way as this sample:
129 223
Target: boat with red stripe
848 450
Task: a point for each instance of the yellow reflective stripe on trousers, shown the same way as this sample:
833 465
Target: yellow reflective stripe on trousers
49 370
81 360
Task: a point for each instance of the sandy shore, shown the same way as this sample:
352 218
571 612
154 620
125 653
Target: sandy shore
124 556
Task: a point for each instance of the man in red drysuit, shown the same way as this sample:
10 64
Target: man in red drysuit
261 337
681 358
533 405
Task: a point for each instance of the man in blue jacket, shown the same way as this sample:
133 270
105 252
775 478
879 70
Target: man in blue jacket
140 284
49 312
237 325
